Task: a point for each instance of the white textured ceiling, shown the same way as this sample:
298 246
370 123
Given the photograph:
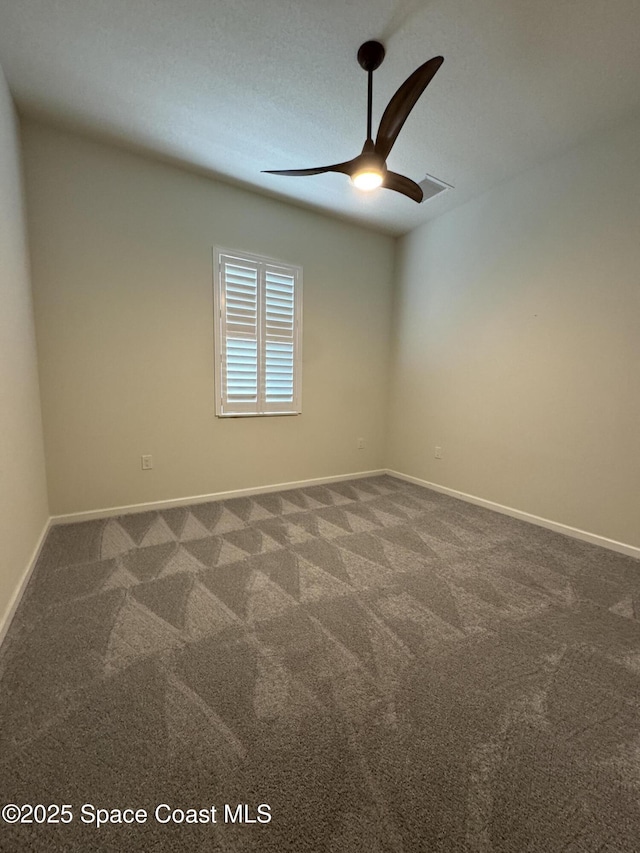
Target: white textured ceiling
236 86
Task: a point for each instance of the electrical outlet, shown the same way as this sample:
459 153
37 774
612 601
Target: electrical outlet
438 453
361 444
147 462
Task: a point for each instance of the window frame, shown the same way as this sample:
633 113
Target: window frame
259 409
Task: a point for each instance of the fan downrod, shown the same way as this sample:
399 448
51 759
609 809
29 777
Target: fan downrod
370 55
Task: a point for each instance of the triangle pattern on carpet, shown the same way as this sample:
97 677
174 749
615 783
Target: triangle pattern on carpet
252 541
316 584
337 497
358 524
317 497
175 519
296 534
224 676
387 519
120 579
226 522
158 533
407 539
325 555
147 563
344 491
276 528
207 513
115 541
430 590
365 574
271 502
347 623
366 545
196 734
181 561
230 554
337 517
265 599
167 597
137 524
137 633
193 528
258 512
206 551
282 568
206 614
289 506
230 583
240 507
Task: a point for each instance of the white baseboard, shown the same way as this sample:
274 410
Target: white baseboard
109 512
14 601
574 532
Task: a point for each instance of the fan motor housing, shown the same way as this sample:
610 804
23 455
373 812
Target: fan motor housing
370 55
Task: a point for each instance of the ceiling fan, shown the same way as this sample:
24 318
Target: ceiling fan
369 169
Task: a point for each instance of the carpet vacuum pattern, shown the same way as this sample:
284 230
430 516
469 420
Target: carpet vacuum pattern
388 669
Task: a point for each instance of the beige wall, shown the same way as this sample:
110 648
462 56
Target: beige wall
122 267
517 343
23 493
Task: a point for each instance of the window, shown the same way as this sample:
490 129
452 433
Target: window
258 318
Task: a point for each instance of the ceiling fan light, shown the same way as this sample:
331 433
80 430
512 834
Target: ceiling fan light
367 179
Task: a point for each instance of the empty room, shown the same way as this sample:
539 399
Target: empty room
320 426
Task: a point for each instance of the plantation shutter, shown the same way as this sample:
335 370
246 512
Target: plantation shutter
257 345
239 361
279 336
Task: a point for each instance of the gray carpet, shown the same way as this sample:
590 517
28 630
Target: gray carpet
387 668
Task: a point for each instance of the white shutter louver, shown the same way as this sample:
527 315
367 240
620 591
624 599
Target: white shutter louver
279 335
240 332
257 342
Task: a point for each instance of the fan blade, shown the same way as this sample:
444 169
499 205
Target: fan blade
402 103
400 184
344 168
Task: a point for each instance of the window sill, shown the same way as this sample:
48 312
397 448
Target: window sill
259 415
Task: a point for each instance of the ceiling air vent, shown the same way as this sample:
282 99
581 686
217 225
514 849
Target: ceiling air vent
432 187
